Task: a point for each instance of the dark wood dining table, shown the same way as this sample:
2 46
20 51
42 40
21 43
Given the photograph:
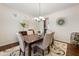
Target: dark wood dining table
31 39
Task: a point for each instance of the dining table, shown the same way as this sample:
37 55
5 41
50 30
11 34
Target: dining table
31 39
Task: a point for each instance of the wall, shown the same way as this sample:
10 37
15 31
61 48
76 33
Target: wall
63 32
9 24
10 18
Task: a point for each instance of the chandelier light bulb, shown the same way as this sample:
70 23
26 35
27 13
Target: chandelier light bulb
41 18
36 19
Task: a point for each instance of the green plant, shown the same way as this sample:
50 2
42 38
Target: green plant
76 40
23 24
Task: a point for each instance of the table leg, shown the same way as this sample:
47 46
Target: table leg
29 50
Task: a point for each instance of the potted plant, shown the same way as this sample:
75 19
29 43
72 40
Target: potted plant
23 24
76 40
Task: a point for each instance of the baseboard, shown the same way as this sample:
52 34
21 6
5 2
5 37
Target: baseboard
8 46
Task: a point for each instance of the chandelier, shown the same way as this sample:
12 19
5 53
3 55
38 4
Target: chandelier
39 18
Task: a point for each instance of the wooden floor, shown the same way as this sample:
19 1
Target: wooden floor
2 48
72 50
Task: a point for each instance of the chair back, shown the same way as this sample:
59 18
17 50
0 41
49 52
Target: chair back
47 40
21 42
52 40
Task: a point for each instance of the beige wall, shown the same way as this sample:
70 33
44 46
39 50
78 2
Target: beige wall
63 32
9 24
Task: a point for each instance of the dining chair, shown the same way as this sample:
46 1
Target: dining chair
32 39
45 44
21 44
52 41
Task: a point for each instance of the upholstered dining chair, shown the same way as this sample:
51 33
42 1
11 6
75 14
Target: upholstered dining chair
52 41
21 44
45 44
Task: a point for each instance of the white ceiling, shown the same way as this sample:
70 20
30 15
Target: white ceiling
45 8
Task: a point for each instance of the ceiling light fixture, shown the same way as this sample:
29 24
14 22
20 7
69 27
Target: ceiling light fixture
39 18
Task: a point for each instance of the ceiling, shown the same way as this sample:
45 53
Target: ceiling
45 8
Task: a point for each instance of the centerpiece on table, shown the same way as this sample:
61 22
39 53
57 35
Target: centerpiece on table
23 24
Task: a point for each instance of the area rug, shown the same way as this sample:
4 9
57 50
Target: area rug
58 49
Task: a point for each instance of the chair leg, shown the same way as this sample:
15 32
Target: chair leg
23 53
43 52
52 43
20 52
48 49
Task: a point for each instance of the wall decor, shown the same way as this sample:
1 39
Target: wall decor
15 15
61 21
